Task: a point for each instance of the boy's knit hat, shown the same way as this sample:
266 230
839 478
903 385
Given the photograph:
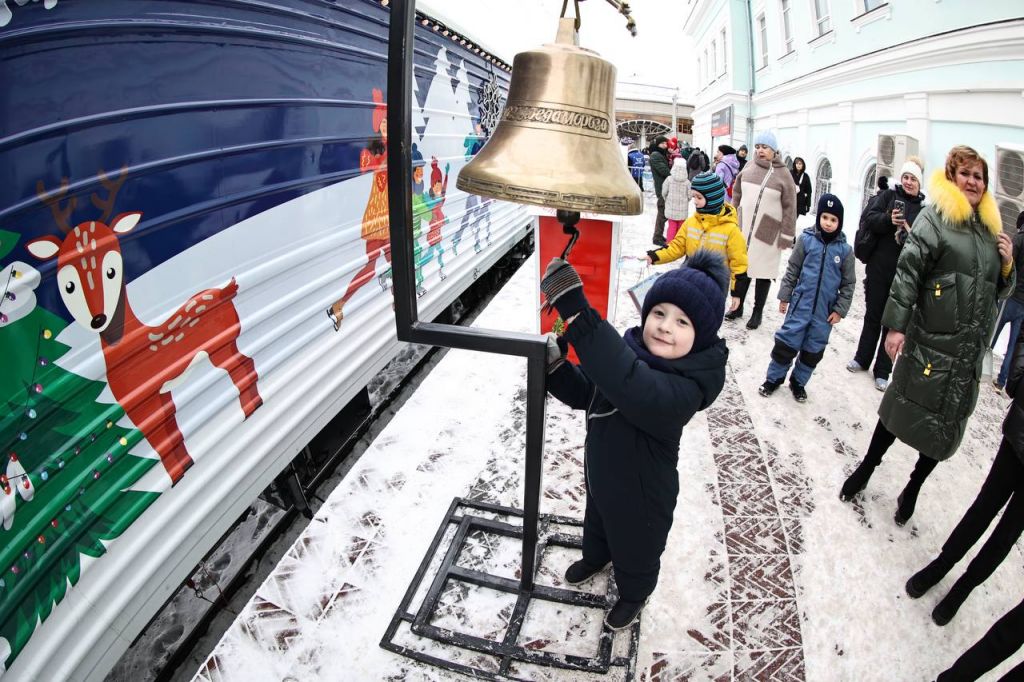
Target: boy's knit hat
417 162
699 289
829 203
713 190
767 137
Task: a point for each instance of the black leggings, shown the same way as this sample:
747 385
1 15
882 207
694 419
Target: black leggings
760 290
882 440
998 644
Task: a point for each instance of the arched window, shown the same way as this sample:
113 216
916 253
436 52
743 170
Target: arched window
869 185
823 181
789 162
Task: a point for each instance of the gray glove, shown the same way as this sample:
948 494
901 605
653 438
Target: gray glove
554 357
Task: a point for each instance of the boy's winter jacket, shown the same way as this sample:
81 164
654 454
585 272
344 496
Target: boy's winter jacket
948 281
636 163
719 233
676 191
635 418
819 280
767 218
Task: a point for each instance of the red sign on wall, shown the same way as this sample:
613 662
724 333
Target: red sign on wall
592 256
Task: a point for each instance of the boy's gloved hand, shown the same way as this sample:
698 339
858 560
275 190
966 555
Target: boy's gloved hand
554 357
563 288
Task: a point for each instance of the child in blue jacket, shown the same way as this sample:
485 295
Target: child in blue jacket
814 295
639 390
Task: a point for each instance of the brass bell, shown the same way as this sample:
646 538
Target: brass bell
555 144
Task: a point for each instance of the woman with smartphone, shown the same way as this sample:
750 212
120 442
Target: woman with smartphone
887 220
955 266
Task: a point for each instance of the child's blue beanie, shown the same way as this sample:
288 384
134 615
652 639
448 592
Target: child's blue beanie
699 288
713 190
829 203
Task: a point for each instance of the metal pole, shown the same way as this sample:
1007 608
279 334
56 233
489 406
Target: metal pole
409 328
675 123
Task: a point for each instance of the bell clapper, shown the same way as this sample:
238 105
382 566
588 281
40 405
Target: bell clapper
569 220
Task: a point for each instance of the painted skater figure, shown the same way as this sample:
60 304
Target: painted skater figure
815 295
435 202
374 231
639 391
476 212
420 215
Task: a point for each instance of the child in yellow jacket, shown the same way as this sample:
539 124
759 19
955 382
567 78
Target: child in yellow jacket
714 227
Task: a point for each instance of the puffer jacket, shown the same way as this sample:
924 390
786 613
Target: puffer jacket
635 419
727 168
820 280
719 233
1013 425
944 298
677 193
660 169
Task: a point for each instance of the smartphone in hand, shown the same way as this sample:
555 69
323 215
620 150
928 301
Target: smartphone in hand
899 206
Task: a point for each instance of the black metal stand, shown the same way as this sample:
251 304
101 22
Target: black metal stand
530 346
499 656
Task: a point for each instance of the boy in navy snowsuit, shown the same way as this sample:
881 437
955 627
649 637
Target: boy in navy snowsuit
814 295
639 390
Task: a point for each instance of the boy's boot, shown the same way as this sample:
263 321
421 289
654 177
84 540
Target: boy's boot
799 392
928 577
769 387
860 477
946 609
761 288
580 572
624 614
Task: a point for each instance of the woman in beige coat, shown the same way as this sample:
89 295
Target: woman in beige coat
765 196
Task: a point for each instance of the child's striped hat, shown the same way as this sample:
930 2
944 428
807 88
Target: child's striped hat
713 190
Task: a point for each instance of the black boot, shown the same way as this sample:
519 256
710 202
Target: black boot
799 392
907 500
755 318
624 614
946 609
769 387
580 572
859 478
928 577
735 314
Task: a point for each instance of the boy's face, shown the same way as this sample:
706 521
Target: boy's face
829 222
698 199
668 332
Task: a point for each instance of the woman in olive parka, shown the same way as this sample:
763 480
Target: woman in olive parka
956 264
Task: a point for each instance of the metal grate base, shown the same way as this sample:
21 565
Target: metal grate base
501 653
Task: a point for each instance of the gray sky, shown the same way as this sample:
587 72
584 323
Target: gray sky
659 55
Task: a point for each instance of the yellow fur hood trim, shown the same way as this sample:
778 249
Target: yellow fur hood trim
952 205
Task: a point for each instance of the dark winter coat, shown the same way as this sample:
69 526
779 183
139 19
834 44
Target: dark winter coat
803 191
635 419
877 217
1018 259
660 169
1013 425
820 279
944 298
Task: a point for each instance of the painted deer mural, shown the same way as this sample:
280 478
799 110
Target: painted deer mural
143 363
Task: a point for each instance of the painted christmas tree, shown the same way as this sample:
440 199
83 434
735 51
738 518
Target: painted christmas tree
64 468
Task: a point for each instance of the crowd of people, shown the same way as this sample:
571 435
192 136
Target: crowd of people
935 272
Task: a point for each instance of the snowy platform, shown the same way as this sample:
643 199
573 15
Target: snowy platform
767 575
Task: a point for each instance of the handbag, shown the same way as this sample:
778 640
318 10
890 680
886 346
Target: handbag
638 291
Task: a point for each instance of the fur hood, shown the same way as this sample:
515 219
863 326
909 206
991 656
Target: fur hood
953 206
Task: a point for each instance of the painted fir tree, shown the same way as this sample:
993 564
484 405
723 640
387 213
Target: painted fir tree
65 467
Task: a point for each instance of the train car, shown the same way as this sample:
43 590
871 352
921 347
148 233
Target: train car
195 273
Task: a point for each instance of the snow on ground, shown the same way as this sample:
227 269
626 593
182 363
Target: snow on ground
767 575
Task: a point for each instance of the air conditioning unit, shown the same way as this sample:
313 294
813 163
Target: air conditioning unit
1009 185
893 151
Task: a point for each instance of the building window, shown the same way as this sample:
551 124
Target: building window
869 185
823 180
788 161
700 72
725 51
821 17
706 79
787 30
762 31
714 59
873 4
